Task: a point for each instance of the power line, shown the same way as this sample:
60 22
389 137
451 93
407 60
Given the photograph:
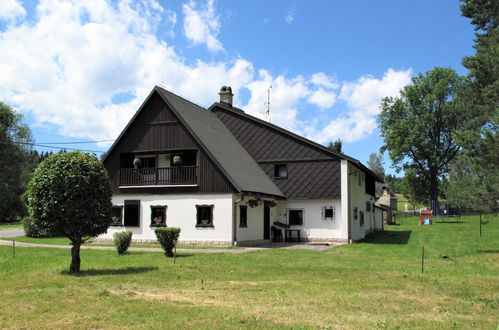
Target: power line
53 147
78 142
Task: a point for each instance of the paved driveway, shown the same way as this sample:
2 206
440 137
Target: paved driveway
11 233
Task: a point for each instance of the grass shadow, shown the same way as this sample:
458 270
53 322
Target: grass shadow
444 221
488 251
123 271
388 237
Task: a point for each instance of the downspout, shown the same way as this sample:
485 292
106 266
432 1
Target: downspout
234 219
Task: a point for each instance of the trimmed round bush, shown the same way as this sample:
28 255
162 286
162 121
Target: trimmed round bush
122 241
69 195
167 237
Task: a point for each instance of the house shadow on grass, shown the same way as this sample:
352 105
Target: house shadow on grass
123 271
388 237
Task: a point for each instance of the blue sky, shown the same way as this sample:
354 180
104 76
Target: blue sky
79 70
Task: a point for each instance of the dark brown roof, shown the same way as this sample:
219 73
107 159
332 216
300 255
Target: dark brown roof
332 153
220 145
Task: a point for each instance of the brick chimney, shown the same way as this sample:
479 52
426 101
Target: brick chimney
226 95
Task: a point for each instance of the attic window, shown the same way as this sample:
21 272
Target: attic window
280 171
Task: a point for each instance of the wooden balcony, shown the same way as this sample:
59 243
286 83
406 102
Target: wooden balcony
166 176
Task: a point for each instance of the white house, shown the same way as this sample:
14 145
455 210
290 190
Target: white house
225 177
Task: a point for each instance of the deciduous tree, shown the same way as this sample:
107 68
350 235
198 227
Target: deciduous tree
418 126
70 195
15 164
375 164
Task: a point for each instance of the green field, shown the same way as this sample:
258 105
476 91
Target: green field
11 225
373 284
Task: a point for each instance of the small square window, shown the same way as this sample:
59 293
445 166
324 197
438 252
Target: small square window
117 216
280 171
295 217
243 216
204 215
158 216
327 213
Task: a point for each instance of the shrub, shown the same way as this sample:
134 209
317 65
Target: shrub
167 237
122 241
32 230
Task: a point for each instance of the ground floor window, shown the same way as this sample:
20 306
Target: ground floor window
361 216
243 216
204 215
132 213
117 216
295 217
327 213
158 216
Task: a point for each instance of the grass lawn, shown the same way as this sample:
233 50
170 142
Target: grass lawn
11 225
373 284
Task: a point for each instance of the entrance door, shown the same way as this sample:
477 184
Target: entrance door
266 221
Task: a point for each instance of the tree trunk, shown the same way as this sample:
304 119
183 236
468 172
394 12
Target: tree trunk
433 187
75 254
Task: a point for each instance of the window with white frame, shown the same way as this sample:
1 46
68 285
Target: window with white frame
328 213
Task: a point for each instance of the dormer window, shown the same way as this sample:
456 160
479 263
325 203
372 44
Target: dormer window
280 171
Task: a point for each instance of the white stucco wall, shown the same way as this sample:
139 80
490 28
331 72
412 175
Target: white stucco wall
378 218
254 229
358 199
181 212
314 228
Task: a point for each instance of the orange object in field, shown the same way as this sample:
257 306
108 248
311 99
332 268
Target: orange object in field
423 215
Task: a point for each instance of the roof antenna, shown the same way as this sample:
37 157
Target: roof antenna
267 113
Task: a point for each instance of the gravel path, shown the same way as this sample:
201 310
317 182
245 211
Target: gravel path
4 233
7 233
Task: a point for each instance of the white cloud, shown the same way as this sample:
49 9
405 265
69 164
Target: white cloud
362 98
76 57
202 26
285 97
97 51
290 16
10 10
322 98
322 79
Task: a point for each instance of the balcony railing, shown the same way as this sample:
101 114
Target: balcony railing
179 175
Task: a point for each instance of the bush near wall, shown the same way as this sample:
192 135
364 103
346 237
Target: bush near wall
122 241
167 237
